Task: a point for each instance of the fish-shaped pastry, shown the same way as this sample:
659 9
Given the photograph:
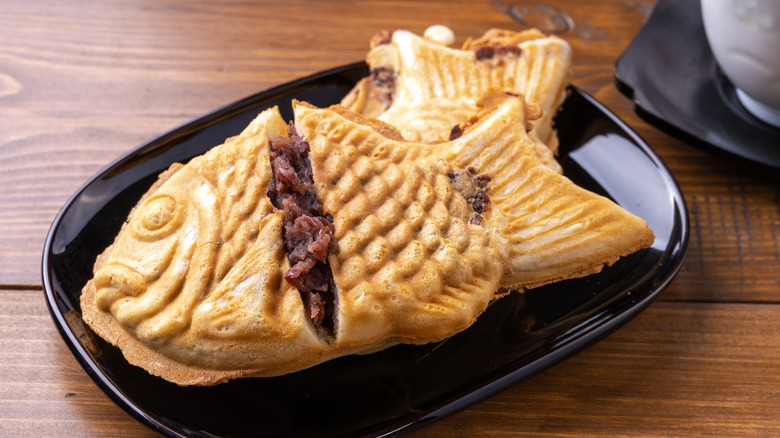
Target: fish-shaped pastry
543 226
426 89
386 241
192 288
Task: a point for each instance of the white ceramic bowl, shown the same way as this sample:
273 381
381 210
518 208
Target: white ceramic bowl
744 36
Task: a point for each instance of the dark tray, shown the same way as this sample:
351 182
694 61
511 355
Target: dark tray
670 73
403 387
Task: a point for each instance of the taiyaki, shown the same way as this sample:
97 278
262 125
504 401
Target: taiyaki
426 89
192 288
417 239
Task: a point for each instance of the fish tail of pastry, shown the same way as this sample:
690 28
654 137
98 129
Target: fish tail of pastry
551 228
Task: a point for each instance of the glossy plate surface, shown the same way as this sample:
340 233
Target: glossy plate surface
403 387
676 84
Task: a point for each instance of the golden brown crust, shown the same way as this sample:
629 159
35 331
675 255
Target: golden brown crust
382 128
436 87
546 227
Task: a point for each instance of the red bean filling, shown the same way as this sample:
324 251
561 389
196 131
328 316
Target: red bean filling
384 37
308 234
474 188
456 132
490 52
383 79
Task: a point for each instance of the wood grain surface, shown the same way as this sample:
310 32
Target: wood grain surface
83 82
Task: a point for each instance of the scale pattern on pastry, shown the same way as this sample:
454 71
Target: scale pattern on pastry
541 226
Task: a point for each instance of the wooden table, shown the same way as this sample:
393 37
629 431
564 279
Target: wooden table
82 82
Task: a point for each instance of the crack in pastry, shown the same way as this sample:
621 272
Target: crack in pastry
307 233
